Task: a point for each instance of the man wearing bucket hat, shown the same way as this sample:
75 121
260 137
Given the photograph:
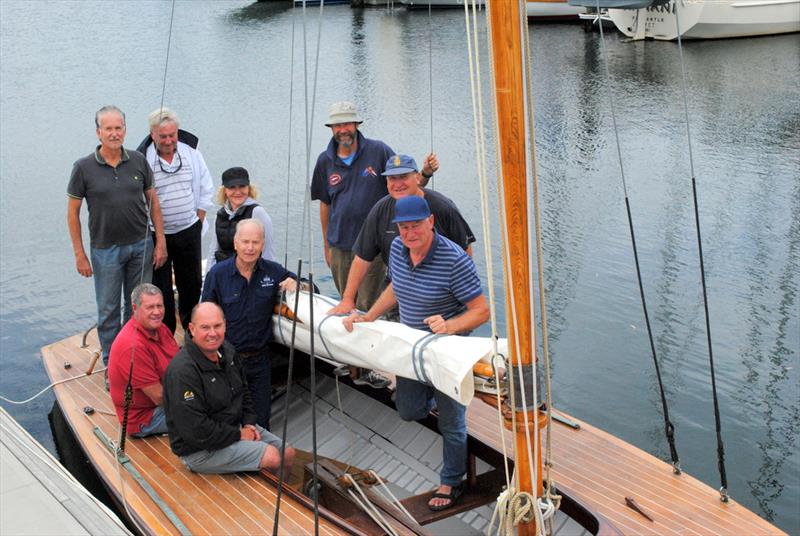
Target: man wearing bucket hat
437 288
347 182
376 236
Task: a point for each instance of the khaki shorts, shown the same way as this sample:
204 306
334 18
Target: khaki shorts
372 285
238 457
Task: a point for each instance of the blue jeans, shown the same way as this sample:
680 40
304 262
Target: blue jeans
414 400
117 270
258 373
156 426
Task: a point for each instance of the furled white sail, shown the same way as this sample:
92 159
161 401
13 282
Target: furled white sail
445 361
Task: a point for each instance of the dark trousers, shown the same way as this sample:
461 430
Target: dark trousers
183 256
258 373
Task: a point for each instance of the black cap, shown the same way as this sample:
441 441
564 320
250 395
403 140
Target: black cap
235 176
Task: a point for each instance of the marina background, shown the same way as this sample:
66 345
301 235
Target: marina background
229 79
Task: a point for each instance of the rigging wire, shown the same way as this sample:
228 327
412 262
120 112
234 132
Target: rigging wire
289 149
309 116
669 429
552 501
430 75
289 381
723 490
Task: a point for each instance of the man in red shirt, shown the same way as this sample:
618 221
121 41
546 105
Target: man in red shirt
141 353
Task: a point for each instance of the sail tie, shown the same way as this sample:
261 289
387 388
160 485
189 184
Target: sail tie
417 352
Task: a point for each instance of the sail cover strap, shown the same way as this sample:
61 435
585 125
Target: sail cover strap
417 360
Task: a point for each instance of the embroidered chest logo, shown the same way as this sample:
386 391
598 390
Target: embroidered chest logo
137 178
188 396
369 171
334 179
266 281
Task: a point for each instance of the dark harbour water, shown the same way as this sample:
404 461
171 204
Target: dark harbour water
229 79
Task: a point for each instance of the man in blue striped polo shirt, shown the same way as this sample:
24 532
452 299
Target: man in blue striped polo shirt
436 286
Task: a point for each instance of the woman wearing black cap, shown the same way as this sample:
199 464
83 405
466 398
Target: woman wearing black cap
237 197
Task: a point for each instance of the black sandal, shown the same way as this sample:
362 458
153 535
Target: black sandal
453 496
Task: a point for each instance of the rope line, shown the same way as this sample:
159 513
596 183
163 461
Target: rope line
480 159
43 391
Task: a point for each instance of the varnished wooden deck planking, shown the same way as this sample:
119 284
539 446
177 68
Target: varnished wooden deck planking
598 468
206 504
602 470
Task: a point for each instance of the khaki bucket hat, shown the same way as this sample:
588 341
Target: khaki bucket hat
343 112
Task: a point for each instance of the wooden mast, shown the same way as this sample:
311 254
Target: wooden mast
507 58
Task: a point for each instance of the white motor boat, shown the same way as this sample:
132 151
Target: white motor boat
704 19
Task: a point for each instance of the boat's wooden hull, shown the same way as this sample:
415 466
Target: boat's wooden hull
597 468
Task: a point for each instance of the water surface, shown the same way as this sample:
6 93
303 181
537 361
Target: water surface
229 77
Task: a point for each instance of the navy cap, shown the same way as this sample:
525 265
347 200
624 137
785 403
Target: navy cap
411 208
400 164
235 176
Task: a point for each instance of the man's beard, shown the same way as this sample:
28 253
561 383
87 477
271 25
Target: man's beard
346 140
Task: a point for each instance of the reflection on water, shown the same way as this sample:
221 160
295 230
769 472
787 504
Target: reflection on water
230 79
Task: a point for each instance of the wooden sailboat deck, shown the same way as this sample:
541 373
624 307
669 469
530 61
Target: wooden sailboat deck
593 466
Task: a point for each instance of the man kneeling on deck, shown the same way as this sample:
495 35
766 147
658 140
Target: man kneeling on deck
436 286
139 356
210 414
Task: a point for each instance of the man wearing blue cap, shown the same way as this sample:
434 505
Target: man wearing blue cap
437 288
347 182
402 179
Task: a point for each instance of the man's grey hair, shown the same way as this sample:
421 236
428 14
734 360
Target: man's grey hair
144 289
254 221
159 116
106 110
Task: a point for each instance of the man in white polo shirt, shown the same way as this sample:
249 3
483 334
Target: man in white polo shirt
185 188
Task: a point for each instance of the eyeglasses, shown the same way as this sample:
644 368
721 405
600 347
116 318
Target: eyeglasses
167 171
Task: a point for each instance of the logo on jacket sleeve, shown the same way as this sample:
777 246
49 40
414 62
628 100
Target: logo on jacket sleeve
334 179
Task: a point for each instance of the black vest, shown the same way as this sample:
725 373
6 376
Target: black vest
226 228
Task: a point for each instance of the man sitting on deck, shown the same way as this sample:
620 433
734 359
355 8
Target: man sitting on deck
139 356
437 288
210 415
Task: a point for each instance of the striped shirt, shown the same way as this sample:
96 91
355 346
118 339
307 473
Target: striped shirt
442 284
173 182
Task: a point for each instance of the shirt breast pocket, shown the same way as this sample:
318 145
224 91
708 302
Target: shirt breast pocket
263 300
232 306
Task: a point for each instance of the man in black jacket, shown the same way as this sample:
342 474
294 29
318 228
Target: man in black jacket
210 415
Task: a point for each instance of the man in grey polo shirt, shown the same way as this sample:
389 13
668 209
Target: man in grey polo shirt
118 187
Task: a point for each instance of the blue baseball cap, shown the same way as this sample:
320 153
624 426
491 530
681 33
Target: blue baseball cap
400 164
411 208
